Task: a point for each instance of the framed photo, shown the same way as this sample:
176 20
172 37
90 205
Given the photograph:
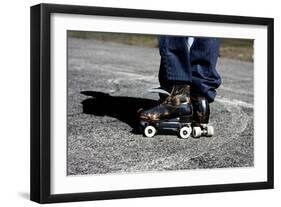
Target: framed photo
97 131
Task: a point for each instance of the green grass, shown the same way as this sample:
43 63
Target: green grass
230 42
129 39
241 49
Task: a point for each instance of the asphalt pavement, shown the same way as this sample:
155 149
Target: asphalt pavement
108 82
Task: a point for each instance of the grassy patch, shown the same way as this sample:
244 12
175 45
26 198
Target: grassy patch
240 49
129 39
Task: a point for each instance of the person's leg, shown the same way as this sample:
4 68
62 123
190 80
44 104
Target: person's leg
175 66
205 80
175 79
183 65
203 59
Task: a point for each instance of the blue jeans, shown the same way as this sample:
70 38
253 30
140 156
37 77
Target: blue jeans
195 65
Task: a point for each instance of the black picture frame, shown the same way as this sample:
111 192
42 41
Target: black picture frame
41 95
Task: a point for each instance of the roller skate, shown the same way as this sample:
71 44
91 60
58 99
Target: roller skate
174 112
201 113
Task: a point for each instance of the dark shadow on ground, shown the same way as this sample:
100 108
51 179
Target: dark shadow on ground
120 107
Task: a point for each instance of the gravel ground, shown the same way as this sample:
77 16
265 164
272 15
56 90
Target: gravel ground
108 82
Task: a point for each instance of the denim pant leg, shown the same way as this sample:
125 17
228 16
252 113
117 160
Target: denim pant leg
203 59
175 64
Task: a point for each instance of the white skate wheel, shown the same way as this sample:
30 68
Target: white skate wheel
210 131
149 131
196 132
185 132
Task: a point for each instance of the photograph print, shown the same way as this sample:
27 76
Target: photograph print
140 103
130 103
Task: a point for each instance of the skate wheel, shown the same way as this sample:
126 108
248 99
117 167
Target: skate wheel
185 132
210 131
149 131
196 132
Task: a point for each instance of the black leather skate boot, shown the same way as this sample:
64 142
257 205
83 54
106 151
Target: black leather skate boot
201 114
173 112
